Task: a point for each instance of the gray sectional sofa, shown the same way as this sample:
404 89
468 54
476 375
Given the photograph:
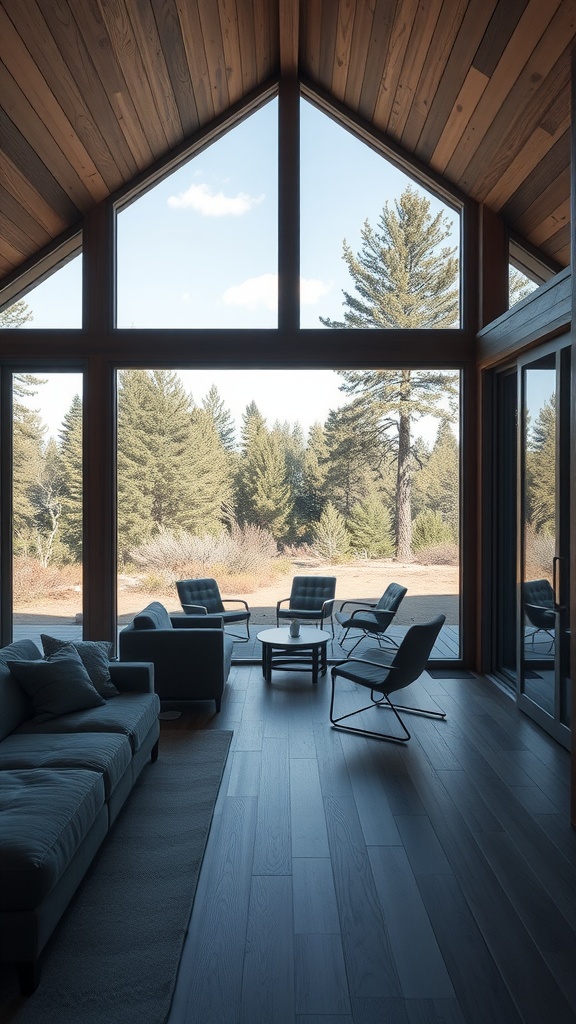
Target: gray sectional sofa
191 654
63 780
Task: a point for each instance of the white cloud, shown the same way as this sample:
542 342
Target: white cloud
254 292
213 204
263 291
312 289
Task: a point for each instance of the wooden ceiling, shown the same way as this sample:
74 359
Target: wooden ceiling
95 92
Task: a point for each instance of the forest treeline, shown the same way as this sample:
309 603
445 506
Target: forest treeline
186 467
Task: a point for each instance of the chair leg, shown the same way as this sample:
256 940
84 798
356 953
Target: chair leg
383 701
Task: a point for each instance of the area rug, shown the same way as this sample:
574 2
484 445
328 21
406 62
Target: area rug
114 957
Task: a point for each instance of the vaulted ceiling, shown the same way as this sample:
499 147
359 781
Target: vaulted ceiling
95 92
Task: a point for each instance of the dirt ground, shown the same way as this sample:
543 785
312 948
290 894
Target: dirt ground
431 590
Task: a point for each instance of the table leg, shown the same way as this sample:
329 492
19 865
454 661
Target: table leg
314 666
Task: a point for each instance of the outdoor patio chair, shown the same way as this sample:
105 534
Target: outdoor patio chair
202 597
385 672
311 599
371 618
539 608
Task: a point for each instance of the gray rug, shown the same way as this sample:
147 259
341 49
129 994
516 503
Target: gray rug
114 957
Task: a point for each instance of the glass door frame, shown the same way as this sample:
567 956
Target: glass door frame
560 349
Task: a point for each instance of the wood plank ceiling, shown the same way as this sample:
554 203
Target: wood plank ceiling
94 92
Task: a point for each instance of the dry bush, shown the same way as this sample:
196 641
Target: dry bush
438 554
31 580
540 550
244 558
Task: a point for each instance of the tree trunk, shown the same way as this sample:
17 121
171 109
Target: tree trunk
404 492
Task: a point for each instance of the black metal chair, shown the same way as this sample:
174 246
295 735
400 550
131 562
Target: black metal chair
371 618
311 600
539 608
385 672
202 597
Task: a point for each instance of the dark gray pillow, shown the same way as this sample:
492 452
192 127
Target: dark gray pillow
95 656
58 685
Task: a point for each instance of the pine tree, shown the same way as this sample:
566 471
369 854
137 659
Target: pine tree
314 468
263 493
70 478
436 484
404 279
541 470
214 406
330 536
211 472
351 458
16 315
370 528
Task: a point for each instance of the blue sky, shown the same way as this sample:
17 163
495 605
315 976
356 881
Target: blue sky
200 250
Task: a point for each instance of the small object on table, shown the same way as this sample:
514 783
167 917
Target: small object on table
295 628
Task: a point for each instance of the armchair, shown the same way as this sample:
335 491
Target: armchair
384 672
191 656
372 619
539 608
311 599
202 597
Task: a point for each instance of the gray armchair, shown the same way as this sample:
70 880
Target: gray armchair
386 672
191 659
311 599
202 597
372 619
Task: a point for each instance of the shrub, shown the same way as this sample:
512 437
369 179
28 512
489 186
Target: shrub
438 554
540 550
429 530
244 557
31 580
331 539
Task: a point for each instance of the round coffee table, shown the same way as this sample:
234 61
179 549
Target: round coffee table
303 653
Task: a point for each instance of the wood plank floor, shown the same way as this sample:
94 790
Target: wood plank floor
351 881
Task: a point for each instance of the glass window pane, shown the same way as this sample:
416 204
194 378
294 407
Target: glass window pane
252 477
47 501
200 248
54 303
356 206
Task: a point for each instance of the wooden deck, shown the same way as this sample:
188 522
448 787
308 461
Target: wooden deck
446 647
351 881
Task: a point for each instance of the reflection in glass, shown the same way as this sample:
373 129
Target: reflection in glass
539 532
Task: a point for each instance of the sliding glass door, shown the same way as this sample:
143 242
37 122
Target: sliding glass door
543 678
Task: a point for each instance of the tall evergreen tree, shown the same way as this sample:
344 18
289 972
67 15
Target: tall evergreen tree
70 473
541 469
404 279
436 484
18 314
314 469
211 472
263 491
350 458
222 417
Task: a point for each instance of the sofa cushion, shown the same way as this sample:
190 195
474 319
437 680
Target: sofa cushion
15 705
58 685
107 753
131 714
153 616
95 656
44 817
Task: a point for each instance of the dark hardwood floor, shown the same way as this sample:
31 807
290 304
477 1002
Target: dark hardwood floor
351 881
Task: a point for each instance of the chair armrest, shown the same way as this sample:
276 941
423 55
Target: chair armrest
327 606
132 676
278 603
195 609
197 621
235 600
366 661
363 604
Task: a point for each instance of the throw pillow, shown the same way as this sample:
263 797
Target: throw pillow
95 655
58 685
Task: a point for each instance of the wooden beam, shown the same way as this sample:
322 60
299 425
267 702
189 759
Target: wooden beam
572 467
289 204
493 283
289 24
